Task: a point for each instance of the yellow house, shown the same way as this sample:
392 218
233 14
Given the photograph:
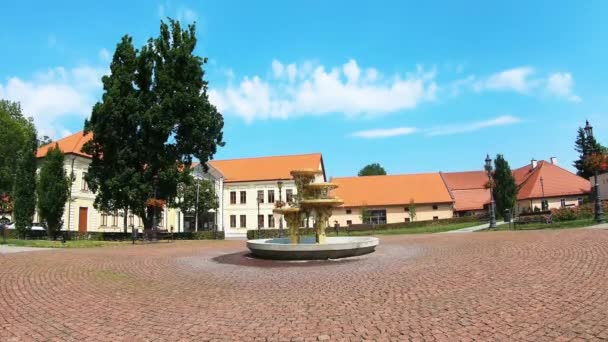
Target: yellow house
80 215
386 199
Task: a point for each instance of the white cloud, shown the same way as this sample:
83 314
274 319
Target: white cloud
384 132
50 95
104 54
186 14
560 84
181 13
311 88
516 79
473 126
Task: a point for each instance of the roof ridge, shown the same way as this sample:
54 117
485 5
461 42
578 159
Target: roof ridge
393 175
274 156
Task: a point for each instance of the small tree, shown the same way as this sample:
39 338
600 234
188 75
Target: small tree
52 189
196 197
373 169
585 146
505 188
412 209
25 186
365 215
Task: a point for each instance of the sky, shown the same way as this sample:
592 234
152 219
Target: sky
415 86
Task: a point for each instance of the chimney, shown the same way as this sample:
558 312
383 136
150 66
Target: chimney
553 160
533 163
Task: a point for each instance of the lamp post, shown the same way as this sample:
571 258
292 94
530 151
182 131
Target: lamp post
280 185
599 211
488 168
198 184
542 202
259 200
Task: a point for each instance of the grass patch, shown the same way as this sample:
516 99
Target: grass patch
58 244
555 225
413 230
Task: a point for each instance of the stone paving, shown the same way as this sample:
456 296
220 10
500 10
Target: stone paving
527 285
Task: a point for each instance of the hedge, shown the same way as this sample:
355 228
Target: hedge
274 233
119 236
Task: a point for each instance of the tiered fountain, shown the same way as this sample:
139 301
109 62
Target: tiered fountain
312 200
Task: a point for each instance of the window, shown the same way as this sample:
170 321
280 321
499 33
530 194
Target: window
544 204
406 209
243 221
349 222
580 201
563 202
270 221
435 207
260 221
289 195
376 217
131 220
232 197
232 221
104 219
435 218
407 219
243 197
83 185
270 196
261 196
115 219
349 211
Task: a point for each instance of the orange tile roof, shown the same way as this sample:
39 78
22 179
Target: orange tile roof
556 181
466 180
391 190
470 199
266 168
70 144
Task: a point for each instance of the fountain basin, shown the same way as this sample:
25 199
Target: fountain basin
307 249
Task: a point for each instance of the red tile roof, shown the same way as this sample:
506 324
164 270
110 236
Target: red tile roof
470 199
391 190
266 168
465 180
70 144
556 181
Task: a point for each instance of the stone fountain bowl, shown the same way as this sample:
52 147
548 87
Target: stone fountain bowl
307 249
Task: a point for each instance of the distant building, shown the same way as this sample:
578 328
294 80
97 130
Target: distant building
469 190
80 214
545 185
386 199
242 181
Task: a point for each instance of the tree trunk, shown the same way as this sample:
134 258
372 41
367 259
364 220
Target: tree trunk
126 221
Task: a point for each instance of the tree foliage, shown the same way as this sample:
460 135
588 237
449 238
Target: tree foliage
412 209
585 146
505 188
14 132
154 118
373 169
52 191
196 198
24 194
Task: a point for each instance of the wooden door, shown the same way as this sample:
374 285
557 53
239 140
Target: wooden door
82 219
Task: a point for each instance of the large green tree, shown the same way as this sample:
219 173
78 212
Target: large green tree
158 97
373 169
505 188
24 194
52 191
15 129
585 146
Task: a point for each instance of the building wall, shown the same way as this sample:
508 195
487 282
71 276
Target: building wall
554 202
394 214
81 197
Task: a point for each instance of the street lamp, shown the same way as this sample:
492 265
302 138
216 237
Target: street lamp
599 211
259 200
198 184
280 185
542 202
488 168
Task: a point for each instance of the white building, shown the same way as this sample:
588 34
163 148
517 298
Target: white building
240 182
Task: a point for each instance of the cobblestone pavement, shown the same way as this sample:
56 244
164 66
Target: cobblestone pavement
528 285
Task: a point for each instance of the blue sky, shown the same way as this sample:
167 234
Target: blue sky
415 87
